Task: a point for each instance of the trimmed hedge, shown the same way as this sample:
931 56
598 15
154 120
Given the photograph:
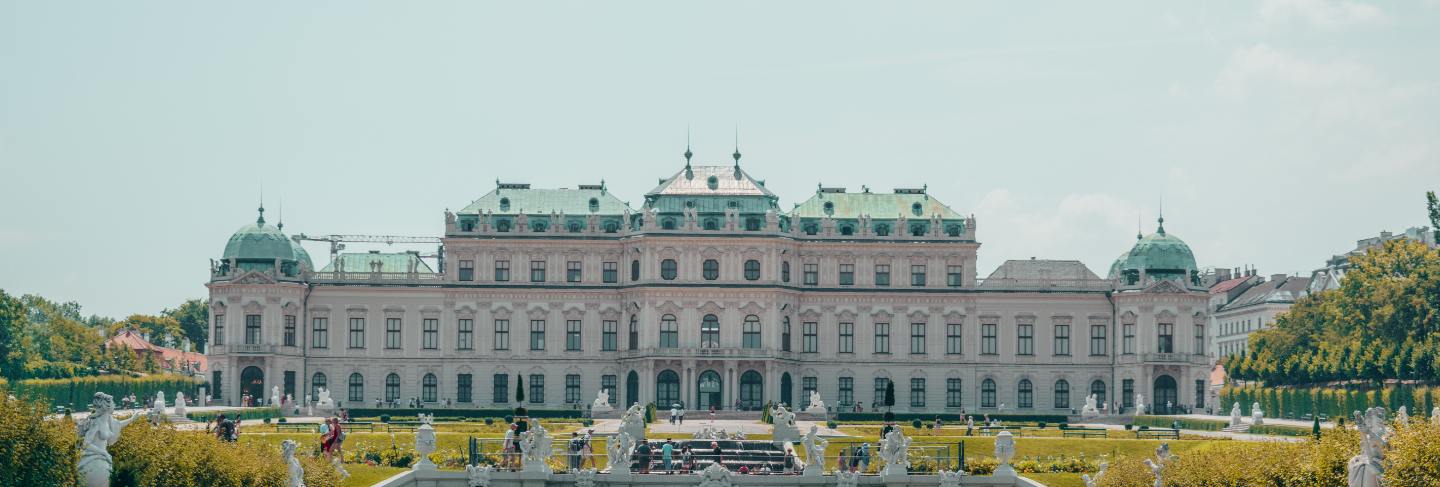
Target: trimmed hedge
148 456
76 392
34 451
1334 402
243 414
953 418
1216 425
453 413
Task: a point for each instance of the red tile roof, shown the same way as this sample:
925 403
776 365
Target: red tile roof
133 341
1226 286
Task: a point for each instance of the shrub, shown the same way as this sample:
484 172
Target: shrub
830 424
78 391
281 420
246 413
148 456
35 451
384 418
1128 426
1041 425
1414 456
267 420
916 423
490 421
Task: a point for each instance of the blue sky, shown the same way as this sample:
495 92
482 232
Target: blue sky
136 136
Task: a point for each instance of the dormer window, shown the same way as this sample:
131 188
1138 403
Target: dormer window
667 224
712 224
733 204
690 203
504 204
612 227
917 209
829 208
594 205
811 229
882 230
574 227
917 230
847 230
953 230
502 225
713 183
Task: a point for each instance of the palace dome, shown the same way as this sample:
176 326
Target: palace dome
1158 253
264 243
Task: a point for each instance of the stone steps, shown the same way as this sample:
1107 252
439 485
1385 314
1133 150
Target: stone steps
1239 428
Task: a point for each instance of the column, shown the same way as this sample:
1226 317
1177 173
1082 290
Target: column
687 383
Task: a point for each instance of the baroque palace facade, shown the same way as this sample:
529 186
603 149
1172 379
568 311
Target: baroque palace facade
709 294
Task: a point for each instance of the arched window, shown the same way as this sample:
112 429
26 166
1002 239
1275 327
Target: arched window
987 393
752 224
784 272
669 332
882 230
1098 389
954 230
392 387
428 386
357 388
632 388
786 389
634 270
668 269
847 229
573 227
750 337
751 390
710 332
1062 394
612 226
504 204
752 270
1025 394
539 225
785 334
667 224
917 230
667 389
502 225
594 205
811 228
317 382
711 269
634 332
712 224
916 209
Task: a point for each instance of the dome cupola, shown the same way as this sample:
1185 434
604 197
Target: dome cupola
258 246
1158 255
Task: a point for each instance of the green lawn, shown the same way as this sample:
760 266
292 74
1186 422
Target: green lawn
366 476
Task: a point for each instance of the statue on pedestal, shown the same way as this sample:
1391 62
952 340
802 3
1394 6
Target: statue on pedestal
1157 468
157 410
814 452
784 425
1435 415
618 451
275 396
425 443
1095 481
1257 416
478 475
1004 451
895 453
292 464
634 422
1368 468
1235 414
1402 416
816 405
535 449
97 433
715 476
1139 404
1090 411
602 402
180 404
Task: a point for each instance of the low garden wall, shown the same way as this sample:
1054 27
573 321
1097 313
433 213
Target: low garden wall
522 479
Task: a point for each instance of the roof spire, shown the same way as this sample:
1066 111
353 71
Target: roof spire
261 219
1139 233
281 224
688 154
736 155
1161 220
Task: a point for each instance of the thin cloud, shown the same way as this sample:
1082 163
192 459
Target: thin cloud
1321 14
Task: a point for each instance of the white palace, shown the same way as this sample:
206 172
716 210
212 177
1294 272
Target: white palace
708 294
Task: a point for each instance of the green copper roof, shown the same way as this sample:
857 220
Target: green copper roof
876 205
259 242
1158 252
512 199
389 263
710 181
301 255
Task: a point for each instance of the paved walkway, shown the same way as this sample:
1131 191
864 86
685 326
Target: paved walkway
1206 434
747 426
1246 419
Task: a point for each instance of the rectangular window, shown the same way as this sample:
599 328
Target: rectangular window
1127 393
785 335
952 393
320 332
607 383
917 392
987 339
500 390
808 385
811 338
430 333
537 389
634 333
289 330
502 270
1128 343
953 340
1062 339
610 272
572 271
537 334
1166 344
880 383
1025 340
1200 394
882 338
465 337
1199 339
812 274
750 333
882 274
357 332
392 333
572 388
467 270
847 274
219 338
462 388
917 338
847 391
609 335
1097 340
952 276
537 271
252 329
572 335
847 338
216 383
502 334
917 275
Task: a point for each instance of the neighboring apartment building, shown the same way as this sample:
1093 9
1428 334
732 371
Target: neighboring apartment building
709 294
1255 309
1328 277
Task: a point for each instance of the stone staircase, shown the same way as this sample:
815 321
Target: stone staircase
1239 428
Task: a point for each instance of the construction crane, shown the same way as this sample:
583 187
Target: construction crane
337 243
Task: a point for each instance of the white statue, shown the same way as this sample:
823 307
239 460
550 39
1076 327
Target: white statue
325 403
425 443
97 433
847 479
478 476
634 422
584 478
1139 404
1402 416
618 452
157 411
1090 411
1095 481
602 402
275 396
1368 468
715 476
949 478
1156 468
816 405
1004 451
1435 415
784 428
1257 416
180 404
1001 408
535 449
895 453
1235 414
297 473
814 447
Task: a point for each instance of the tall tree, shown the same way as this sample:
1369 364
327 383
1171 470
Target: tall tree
1433 206
194 319
160 330
13 321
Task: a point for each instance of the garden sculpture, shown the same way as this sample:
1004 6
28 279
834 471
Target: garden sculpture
97 433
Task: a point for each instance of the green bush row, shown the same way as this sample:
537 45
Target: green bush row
147 456
953 418
243 414
1334 402
1217 425
34 451
78 391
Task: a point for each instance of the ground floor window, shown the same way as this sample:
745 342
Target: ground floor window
952 393
572 389
462 388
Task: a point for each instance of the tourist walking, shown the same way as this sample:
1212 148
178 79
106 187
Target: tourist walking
665 453
682 414
325 442
865 457
587 449
687 458
507 455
